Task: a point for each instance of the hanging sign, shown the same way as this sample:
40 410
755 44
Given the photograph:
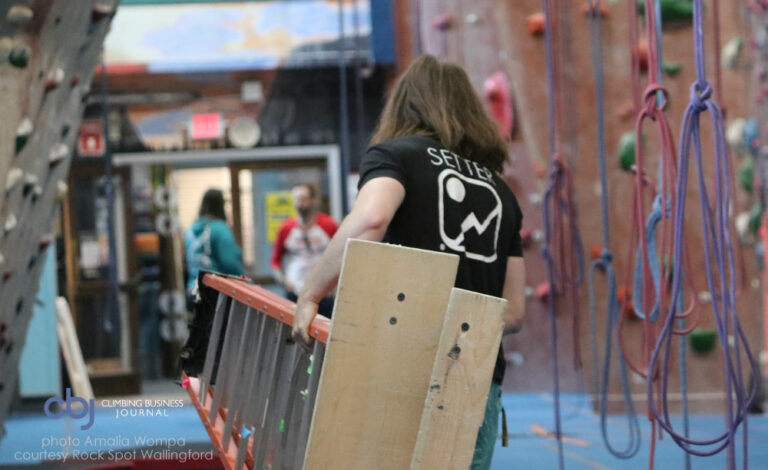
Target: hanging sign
279 207
90 142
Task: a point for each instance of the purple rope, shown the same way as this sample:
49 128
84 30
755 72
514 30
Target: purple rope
555 173
719 271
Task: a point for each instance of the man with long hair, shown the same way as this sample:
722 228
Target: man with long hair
430 181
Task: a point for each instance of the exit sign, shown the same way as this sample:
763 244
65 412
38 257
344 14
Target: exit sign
206 126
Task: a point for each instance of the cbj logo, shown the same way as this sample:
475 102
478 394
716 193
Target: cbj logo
88 408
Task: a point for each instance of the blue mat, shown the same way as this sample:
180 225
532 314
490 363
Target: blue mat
528 450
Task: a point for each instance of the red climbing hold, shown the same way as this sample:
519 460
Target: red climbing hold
536 24
597 250
499 103
542 291
526 235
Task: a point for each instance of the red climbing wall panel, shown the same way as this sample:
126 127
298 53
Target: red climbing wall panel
491 35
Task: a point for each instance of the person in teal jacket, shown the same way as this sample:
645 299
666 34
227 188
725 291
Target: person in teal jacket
209 243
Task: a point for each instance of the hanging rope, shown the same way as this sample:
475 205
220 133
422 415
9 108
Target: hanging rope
562 249
605 264
720 271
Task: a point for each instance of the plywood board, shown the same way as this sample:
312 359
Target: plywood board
70 347
385 332
461 377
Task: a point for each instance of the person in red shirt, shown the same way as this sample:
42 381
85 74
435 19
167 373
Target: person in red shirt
300 243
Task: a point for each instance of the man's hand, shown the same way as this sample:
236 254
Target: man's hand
305 313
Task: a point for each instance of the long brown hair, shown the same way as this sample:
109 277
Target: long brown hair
434 97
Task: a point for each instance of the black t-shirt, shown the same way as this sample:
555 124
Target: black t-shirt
453 205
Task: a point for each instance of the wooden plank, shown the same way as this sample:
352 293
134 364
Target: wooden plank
386 327
70 347
461 377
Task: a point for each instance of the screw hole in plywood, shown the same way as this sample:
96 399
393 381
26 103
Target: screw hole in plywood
465 326
393 321
400 297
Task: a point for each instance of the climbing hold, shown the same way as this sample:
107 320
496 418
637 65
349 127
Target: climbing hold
735 132
642 53
101 11
10 223
54 79
443 22
597 251
627 150
529 292
22 133
542 291
499 103
20 14
672 68
526 236
30 181
534 198
46 240
751 136
472 18
538 236
536 24
19 56
747 174
58 154
626 110
671 10
742 227
702 340
589 7
61 190
755 218
731 52
624 296
74 81
12 179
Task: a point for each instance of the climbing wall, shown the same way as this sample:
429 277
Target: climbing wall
492 35
48 51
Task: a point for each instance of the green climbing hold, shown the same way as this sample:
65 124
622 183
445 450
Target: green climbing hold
311 360
19 57
627 150
747 174
702 340
672 68
755 218
671 10
282 425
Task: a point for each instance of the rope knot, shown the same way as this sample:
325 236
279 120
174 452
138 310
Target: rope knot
606 256
650 97
701 92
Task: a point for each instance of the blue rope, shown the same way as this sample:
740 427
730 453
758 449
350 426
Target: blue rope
719 259
605 263
548 229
